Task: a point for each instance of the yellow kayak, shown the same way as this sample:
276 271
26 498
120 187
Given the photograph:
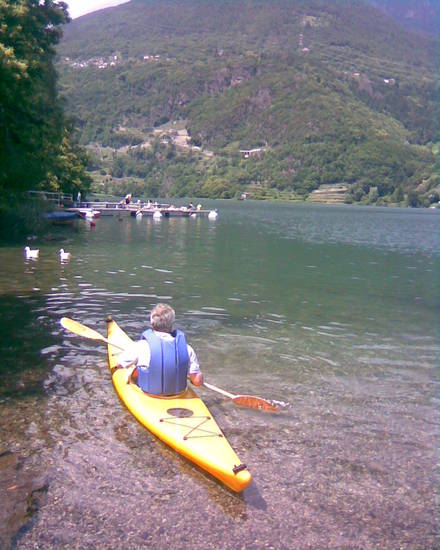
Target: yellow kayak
183 421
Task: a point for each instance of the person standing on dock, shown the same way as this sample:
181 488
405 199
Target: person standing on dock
161 361
128 199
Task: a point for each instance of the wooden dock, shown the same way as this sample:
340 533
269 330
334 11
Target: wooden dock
134 209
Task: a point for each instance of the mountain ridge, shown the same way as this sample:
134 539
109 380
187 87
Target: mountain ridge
419 15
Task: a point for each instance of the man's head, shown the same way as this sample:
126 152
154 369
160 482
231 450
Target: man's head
162 318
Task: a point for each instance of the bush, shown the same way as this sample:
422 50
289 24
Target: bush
21 218
413 199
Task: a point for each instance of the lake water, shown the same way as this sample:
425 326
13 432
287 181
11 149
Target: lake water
333 311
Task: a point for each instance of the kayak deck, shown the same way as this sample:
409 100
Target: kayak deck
182 421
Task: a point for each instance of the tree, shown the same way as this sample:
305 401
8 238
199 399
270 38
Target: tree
68 171
36 146
217 187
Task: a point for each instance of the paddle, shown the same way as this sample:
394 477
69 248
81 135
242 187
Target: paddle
250 401
85 332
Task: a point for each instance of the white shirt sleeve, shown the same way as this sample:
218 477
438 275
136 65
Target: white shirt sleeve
194 366
138 353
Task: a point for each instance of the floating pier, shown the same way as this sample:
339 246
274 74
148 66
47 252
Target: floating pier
153 210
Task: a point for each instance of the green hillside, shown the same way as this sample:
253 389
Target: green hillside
167 93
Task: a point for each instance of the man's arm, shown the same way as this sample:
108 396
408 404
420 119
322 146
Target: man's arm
128 360
195 374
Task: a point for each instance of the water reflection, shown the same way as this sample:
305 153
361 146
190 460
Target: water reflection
342 328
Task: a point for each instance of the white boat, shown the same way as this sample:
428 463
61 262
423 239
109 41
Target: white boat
89 213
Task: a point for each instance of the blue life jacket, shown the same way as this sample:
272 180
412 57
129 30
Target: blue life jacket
169 364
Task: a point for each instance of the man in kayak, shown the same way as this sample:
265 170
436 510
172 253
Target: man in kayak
161 361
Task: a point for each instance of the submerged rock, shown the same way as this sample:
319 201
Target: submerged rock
21 494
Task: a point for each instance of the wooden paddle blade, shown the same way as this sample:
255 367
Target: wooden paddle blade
81 330
85 332
253 402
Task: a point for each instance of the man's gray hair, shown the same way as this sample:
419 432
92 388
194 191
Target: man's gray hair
162 318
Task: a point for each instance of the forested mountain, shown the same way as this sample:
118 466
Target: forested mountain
277 97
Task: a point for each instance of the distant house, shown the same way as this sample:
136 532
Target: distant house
247 153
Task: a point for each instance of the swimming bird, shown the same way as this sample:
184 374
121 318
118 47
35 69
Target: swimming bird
31 254
64 256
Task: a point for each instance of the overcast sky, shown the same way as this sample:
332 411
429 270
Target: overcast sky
81 7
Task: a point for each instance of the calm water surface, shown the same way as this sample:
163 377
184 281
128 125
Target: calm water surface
333 311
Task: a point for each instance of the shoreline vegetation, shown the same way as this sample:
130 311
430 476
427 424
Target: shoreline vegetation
160 168
38 149
22 220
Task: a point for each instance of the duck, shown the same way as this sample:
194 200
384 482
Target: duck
64 256
31 254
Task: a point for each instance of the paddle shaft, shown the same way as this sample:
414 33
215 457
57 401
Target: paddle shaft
219 390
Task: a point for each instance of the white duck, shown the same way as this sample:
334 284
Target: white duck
31 254
64 256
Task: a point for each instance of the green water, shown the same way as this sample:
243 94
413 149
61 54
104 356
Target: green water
332 311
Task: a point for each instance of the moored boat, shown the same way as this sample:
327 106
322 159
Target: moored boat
61 216
182 421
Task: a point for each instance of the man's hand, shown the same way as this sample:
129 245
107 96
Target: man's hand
196 378
130 373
